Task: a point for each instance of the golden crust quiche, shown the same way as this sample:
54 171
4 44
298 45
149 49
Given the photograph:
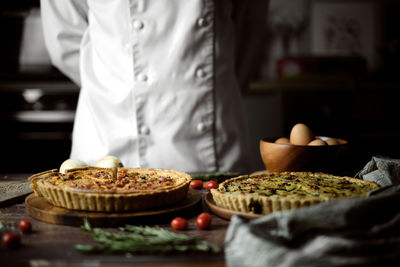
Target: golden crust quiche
103 189
263 194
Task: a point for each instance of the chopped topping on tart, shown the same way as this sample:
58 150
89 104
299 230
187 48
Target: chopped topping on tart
102 180
286 190
110 189
302 185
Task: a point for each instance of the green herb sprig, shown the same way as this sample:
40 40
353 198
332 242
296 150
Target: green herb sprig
7 225
143 239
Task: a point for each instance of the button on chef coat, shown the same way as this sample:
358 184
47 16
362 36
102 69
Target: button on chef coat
157 81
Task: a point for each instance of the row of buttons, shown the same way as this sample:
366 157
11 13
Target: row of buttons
138 24
201 127
200 73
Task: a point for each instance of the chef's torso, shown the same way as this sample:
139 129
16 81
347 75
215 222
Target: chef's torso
158 86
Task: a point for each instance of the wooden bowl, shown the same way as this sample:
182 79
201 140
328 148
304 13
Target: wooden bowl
287 157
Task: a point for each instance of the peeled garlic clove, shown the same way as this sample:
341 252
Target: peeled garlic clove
71 164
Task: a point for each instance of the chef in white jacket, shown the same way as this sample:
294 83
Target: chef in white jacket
157 77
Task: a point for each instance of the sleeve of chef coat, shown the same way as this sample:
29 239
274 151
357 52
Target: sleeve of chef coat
64 23
250 21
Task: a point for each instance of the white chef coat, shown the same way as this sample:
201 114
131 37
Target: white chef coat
158 87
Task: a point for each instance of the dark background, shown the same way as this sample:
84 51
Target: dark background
339 96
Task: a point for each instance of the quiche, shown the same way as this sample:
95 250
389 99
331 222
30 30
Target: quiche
278 191
107 190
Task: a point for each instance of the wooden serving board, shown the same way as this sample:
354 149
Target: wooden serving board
226 213
40 209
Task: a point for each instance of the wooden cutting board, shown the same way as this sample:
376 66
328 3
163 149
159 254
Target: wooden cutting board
40 209
226 213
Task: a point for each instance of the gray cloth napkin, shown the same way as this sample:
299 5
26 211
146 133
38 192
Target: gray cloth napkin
13 189
351 232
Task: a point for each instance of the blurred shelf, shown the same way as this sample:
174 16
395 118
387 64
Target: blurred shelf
42 116
325 84
321 84
51 87
43 77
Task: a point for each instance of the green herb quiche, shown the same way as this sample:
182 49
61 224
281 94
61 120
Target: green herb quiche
263 194
103 189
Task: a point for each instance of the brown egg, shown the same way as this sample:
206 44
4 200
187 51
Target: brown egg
332 141
282 140
301 135
317 142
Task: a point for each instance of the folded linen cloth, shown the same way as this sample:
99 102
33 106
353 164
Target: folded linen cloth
350 232
11 190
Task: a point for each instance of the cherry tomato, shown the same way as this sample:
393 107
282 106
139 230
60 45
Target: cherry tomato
12 240
179 223
203 221
25 226
196 184
211 184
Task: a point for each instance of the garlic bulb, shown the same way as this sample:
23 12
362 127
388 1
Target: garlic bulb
109 162
71 164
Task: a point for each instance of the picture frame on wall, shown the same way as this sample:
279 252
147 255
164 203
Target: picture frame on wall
345 28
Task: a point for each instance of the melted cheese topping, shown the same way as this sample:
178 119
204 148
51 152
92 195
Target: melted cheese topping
298 186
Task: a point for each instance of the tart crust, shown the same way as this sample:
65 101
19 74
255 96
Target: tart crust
260 204
108 200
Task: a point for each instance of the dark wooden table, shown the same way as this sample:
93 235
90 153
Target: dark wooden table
53 245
